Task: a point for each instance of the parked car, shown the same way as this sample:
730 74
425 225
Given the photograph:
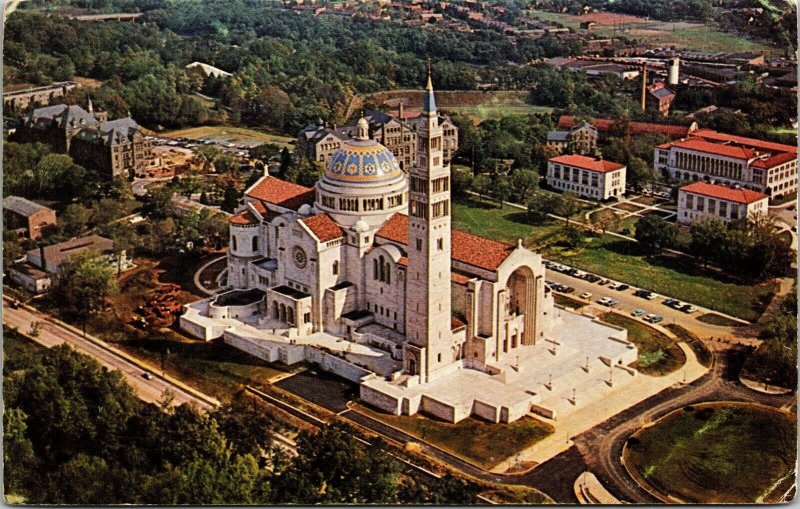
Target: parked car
688 308
670 302
147 375
622 287
603 281
614 286
653 318
607 301
638 312
585 295
568 289
592 278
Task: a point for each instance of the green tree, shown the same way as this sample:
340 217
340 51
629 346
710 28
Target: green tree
158 203
19 460
461 182
604 219
567 206
640 174
482 185
87 282
709 235
74 219
230 199
207 155
523 182
304 172
655 234
502 189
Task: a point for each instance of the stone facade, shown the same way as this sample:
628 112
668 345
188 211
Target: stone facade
113 148
319 142
586 176
726 204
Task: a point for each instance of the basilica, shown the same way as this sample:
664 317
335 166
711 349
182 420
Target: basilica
364 276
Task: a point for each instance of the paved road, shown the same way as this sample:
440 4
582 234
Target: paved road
140 185
51 334
600 447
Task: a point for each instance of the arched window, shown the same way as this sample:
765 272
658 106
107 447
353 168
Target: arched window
283 313
335 267
290 319
388 274
382 267
255 243
375 268
275 314
233 242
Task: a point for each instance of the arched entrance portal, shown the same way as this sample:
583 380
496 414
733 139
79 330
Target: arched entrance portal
521 293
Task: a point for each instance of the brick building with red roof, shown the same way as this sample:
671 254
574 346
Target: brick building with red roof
586 176
701 199
707 155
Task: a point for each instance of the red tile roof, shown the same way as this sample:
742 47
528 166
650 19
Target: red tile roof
724 192
467 248
323 227
604 124
460 278
700 145
243 217
710 134
281 193
775 160
588 163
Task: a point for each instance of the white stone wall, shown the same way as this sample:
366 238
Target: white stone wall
386 300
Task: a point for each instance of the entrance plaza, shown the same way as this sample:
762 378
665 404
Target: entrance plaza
581 361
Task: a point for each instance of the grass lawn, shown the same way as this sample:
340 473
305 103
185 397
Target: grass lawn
669 275
658 354
230 134
214 367
483 443
709 454
18 351
614 258
497 109
701 351
715 319
486 219
630 207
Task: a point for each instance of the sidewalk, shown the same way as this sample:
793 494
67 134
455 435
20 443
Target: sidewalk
591 415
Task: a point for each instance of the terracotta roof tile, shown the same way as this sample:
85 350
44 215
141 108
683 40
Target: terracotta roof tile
700 145
724 192
587 163
243 217
281 193
323 227
604 124
774 160
710 134
467 248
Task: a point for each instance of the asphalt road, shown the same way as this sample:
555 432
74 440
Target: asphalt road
51 334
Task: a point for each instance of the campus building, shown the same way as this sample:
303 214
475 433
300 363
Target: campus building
578 139
701 199
319 142
586 176
28 218
364 276
113 148
19 100
706 155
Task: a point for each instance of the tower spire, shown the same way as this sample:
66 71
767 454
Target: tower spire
430 102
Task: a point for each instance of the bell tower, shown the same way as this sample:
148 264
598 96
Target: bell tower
428 306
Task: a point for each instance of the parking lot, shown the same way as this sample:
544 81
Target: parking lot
639 303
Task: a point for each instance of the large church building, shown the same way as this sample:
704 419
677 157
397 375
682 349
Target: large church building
364 276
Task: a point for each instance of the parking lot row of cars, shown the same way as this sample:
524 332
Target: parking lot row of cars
612 285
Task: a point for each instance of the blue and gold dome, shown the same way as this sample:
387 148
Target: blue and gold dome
363 161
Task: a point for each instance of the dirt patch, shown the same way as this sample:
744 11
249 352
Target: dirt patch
630 207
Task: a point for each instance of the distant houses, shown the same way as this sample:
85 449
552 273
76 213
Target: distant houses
26 217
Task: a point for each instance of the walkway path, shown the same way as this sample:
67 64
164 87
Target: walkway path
628 395
199 279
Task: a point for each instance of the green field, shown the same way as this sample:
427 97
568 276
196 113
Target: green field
693 36
483 443
496 109
715 319
724 453
229 134
618 259
658 354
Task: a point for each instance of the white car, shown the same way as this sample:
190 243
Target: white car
585 295
607 301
